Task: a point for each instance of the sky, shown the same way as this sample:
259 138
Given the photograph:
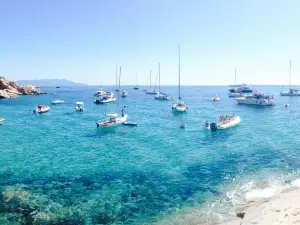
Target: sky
84 41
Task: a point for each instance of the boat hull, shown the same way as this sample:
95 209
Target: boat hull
254 101
230 124
289 94
107 124
106 101
177 108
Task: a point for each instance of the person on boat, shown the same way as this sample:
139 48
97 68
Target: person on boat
206 124
123 111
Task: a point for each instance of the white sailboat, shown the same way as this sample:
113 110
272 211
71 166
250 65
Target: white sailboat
292 91
160 95
115 119
151 91
180 106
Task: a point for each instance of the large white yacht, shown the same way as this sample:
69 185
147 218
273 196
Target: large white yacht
257 98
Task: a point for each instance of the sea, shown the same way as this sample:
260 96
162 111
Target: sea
58 168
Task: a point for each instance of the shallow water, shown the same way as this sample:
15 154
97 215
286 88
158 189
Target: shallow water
59 167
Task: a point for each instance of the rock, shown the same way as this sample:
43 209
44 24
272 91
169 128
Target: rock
9 89
240 215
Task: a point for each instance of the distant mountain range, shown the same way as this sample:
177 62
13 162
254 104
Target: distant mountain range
50 83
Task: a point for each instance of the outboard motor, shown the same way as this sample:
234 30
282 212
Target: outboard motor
213 127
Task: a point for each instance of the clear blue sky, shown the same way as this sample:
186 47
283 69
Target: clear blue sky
85 40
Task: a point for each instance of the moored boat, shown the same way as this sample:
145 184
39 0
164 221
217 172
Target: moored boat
257 98
57 101
79 106
2 121
114 121
160 95
215 98
180 106
291 91
42 109
124 94
225 122
107 98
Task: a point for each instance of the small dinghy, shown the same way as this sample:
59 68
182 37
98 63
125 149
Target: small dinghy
286 105
79 106
42 109
225 122
57 101
130 124
1 121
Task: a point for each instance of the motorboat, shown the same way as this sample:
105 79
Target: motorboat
239 90
57 101
136 88
114 121
225 122
100 93
291 91
42 109
160 95
215 98
183 125
79 106
257 98
180 106
124 94
107 98
1 121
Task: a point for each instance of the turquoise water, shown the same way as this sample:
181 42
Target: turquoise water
57 168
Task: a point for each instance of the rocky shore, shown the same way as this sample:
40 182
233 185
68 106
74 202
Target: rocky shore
9 89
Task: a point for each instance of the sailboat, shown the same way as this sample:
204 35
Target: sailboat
160 95
292 91
238 90
115 119
117 89
151 91
180 106
136 87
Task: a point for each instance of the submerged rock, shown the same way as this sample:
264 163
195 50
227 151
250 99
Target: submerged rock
9 89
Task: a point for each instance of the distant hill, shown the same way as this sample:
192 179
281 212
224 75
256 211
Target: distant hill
50 83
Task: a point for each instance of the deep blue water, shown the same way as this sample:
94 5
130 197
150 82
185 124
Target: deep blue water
60 168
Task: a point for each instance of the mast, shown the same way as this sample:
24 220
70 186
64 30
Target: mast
179 71
234 76
119 89
150 79
116 77
159 77
290 74
136 79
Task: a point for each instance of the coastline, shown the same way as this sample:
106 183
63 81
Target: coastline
283 208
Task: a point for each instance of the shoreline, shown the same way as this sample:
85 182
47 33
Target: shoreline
283 208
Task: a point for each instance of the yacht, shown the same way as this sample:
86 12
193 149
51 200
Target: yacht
99 93
180 106
257 98
107 98
291 91
238 88
160 95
